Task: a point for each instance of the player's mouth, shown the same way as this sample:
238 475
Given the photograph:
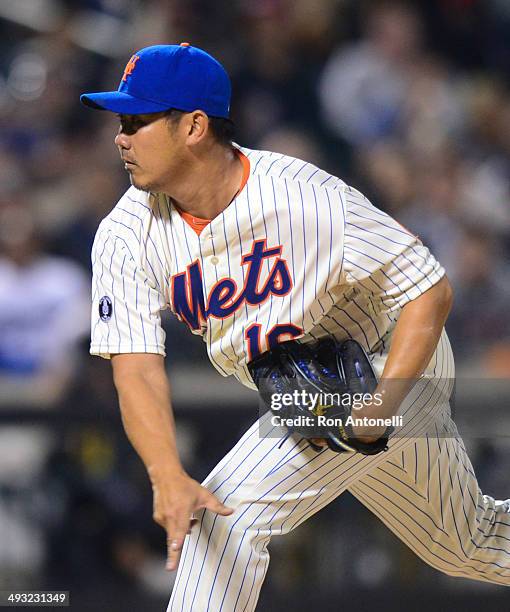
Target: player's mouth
128 164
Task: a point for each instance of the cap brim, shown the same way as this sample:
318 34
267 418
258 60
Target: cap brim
122 103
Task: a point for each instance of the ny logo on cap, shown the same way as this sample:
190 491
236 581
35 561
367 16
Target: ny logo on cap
130 66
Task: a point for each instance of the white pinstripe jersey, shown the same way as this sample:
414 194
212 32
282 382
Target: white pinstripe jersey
298 253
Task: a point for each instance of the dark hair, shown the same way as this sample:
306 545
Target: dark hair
223 130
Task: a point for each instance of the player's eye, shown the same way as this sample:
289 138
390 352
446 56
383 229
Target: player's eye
130 124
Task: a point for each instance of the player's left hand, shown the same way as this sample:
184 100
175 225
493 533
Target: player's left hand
319 442
367 435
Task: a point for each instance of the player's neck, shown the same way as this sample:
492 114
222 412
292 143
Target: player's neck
211 184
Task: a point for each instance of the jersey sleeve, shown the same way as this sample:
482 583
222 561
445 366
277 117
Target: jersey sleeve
384 257
126 305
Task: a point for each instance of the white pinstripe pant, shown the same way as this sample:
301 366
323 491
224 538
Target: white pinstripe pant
424 489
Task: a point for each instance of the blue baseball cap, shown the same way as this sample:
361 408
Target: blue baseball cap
162 77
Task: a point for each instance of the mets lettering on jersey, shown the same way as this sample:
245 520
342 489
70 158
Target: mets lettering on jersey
296 254
224 299
280 262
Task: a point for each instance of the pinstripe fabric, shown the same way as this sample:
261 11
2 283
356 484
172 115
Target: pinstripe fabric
135 325
423 488
440 512
351 268
351 265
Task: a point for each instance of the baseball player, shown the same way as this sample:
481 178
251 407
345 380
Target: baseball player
250 249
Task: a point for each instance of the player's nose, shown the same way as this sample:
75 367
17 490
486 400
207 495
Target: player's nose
122 140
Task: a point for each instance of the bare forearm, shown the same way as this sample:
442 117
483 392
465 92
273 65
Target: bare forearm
413 343
144 396
148 421
417 333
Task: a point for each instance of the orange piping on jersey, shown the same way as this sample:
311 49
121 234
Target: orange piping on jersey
196 223
246 171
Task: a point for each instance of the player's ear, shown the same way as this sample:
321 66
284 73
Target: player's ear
197 126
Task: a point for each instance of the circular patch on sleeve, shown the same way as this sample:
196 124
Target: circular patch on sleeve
105 308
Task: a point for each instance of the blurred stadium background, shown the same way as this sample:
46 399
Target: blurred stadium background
408 101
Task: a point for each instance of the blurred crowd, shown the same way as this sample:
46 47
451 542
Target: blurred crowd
407 101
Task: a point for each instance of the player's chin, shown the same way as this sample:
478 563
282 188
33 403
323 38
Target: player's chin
139 183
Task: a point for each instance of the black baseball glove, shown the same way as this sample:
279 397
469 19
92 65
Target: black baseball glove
323 379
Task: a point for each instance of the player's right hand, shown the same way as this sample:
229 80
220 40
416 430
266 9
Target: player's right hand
176 498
